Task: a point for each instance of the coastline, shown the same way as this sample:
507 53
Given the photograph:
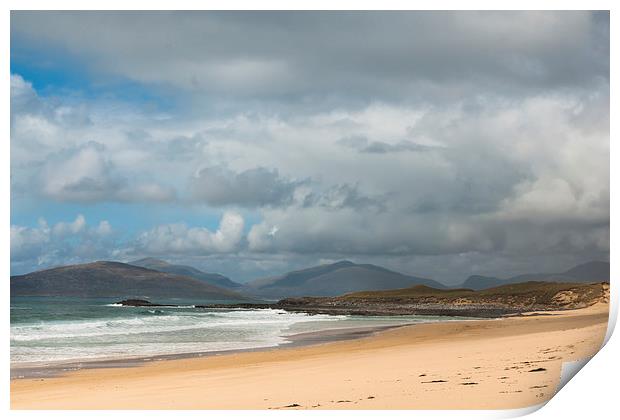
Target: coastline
513 362
328 335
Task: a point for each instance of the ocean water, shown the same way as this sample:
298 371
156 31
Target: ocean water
49 331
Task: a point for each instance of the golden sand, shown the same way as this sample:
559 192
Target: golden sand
489 364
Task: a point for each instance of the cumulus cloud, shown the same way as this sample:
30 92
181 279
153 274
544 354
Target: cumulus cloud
85 174
63 242
71 228
59 152
23 96
354 232
82 174
516 178
483 146
255 187
361 144
179 239
28 243
343 196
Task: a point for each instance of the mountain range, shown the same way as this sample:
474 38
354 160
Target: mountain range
115 279
149 277
589 272
186 270
334 280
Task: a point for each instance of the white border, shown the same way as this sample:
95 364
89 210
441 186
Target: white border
312 5
592 395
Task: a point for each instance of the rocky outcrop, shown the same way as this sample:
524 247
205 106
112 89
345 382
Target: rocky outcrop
140 302
421 300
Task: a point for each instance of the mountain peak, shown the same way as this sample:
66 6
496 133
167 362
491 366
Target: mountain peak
149 260
114 279
334 279
186 270
589 272
343 263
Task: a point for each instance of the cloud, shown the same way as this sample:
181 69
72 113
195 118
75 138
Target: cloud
402 146
516 178
480 146
28 243
61 243
354 232
72 242
23 96
402 56
501 178
179 239
255 187
53 153
82 174
362 145
85 174
343 196
71 228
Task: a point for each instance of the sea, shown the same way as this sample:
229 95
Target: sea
47 331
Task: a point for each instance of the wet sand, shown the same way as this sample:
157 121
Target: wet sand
51 370
489 364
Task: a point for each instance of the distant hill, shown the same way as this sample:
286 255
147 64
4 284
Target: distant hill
150 277
424 300
481 282
114 279
186 270
333 280
590 272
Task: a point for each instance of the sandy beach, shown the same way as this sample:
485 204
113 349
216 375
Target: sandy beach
489 364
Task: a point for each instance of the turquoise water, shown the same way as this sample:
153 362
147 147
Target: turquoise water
48 331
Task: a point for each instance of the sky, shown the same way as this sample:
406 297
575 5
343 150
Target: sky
438 144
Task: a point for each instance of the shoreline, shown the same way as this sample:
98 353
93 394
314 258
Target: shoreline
512 362
328 335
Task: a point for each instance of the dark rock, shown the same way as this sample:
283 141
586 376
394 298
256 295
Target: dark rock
139 302
422 300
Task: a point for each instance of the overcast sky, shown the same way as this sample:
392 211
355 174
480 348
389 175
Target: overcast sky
438 144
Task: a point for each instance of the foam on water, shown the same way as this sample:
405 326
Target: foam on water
152 324
153 332
55 330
